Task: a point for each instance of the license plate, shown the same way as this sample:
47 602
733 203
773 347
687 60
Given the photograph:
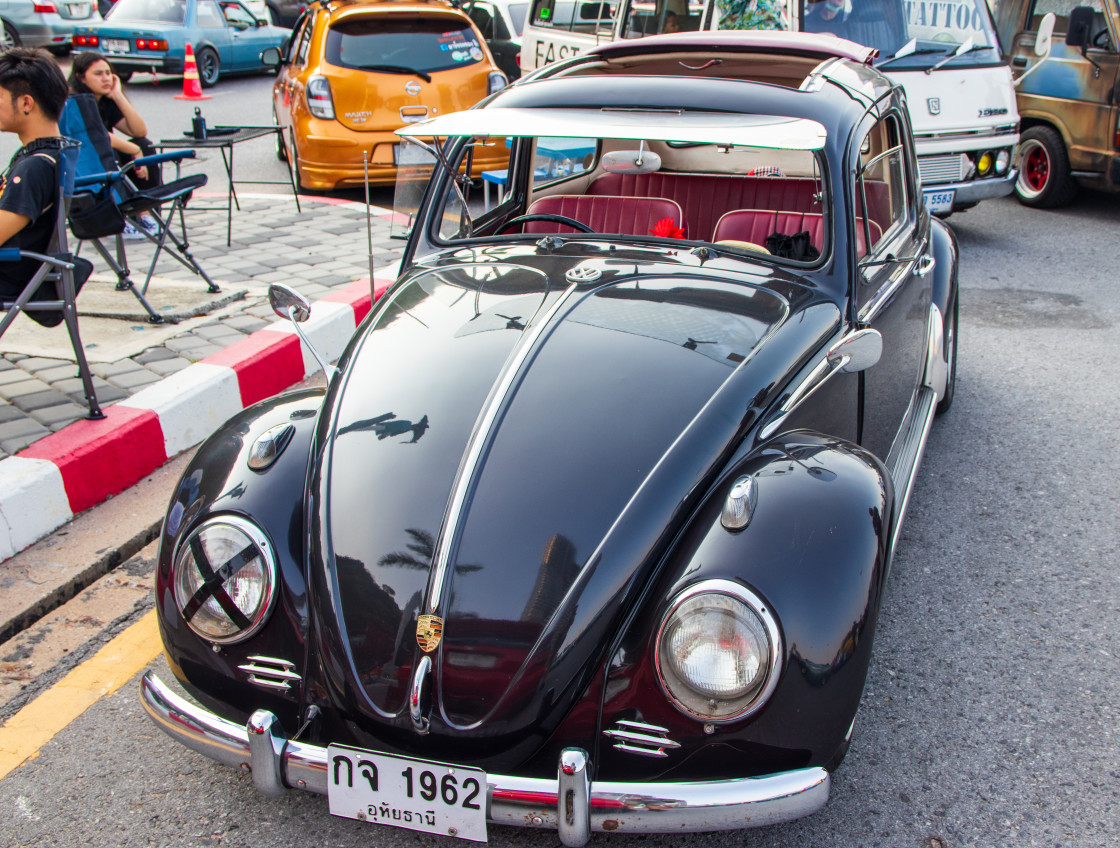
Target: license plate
407 793
940 201
78 10
115 45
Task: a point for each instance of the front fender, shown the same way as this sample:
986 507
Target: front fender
816 552
218 480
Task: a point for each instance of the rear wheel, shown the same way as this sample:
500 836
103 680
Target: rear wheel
123 74
209 67
10 37
1044 176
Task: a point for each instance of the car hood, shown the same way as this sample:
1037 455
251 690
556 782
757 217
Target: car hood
506 450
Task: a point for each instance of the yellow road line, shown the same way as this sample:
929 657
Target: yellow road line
102 674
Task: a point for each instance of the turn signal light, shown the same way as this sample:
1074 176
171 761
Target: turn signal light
151 44
984 164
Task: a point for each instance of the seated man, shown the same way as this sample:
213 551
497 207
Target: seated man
32 93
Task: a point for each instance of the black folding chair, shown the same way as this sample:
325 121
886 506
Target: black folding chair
106 199
52 291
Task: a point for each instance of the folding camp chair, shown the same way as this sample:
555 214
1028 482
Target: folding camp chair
106 199
54 286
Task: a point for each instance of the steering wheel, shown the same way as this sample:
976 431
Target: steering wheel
556 219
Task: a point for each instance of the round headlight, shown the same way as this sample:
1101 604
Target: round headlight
225 579
1003 161
717 652
984 163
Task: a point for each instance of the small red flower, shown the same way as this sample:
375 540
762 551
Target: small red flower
665 228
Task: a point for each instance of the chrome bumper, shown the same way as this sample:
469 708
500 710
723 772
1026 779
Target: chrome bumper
278 764
974 191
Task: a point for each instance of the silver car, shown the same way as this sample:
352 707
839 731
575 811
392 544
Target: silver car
43 23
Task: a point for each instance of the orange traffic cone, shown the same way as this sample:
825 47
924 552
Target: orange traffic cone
192 88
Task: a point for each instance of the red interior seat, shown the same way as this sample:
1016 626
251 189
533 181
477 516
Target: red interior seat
755 225
627 215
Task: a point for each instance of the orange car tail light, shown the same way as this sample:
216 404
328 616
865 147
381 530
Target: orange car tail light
319 102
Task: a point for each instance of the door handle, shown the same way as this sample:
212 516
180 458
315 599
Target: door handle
925 265
1019 62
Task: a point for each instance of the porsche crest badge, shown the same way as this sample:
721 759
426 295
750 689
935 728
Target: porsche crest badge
429 630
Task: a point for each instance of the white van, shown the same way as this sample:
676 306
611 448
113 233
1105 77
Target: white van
945 53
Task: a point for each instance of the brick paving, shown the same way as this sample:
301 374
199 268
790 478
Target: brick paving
321 248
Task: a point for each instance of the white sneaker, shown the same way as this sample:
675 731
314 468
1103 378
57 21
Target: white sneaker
150 225
130 233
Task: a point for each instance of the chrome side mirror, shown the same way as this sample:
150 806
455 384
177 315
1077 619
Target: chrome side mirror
288 303
856 352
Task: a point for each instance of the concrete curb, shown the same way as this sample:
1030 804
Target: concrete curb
67 472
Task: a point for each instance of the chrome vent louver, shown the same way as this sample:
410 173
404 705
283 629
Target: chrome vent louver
636 737
271 673
949 168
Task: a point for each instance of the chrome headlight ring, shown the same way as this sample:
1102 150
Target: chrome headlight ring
224 579
718 652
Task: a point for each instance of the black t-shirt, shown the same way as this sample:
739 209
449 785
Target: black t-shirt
30 188
110 112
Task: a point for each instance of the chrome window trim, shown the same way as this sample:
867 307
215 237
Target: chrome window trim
719 586
870 310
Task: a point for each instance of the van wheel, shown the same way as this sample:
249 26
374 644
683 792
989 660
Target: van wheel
1044 178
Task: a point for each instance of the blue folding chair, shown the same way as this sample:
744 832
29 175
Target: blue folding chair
105 199
51 294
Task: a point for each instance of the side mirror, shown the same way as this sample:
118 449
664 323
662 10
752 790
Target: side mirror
288 303
1043 42
271 58
1080 27
856 352
1045 38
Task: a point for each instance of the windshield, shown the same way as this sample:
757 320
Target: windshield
664 188
161 11
418 44
910 34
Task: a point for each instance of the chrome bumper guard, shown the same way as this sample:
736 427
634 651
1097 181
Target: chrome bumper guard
974 191
571 804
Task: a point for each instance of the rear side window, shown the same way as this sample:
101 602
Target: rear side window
427 45
162 11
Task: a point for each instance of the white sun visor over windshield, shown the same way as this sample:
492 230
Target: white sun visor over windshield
723 128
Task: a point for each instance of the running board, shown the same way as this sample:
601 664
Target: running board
906 454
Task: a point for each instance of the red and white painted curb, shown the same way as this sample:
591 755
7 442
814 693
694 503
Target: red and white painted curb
67 472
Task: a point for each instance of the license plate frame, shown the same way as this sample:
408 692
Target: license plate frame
940 200
391 790
116 46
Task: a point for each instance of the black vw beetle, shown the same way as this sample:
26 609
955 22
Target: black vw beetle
589 529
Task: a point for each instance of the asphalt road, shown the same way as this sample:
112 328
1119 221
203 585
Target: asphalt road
990 714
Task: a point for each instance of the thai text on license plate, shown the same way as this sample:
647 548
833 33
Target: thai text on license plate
403 792
115 45
940 201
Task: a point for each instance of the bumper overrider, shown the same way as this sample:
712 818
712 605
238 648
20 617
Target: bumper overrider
278 764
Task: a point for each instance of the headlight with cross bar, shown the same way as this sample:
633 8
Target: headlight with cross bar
225 579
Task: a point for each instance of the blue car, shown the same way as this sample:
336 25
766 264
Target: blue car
152 35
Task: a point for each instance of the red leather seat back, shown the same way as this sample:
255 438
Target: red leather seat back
703 198
634 216
755 225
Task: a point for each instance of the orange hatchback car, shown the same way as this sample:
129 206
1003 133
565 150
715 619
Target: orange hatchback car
355 70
